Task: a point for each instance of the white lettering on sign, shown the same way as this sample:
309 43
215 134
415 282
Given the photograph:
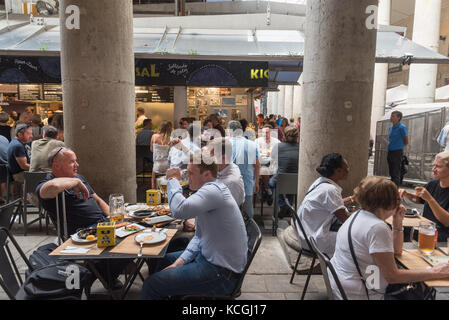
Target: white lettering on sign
371 21
72 21
178 69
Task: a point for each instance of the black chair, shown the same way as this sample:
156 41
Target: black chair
286 183
144 161
32 180
11 280
4 172
327 266
304 251
254 240
7 212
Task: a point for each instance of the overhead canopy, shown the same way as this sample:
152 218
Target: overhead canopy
397 95
442 93
283 49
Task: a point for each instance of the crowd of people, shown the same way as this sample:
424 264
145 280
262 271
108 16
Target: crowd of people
224 168
25 143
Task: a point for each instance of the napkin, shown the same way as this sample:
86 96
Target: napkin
70 249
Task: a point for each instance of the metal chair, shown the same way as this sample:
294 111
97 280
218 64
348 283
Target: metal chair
144 156
254 240
11 280
287 183
6 214
327 266
306 251
31 181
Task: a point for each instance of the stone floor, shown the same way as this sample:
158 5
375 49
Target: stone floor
267 279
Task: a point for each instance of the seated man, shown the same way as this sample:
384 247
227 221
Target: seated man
84 207
19 152
217 254
42 147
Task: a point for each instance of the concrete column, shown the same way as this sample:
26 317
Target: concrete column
380 72
180 99
269 103
288 102
281 101
97 65
426 32
338 87
297 101
275 102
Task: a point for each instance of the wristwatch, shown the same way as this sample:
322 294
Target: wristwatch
398 230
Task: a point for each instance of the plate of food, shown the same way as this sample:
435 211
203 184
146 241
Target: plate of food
412 213
134 207
86 235
434 260
140 214
127 230
150 237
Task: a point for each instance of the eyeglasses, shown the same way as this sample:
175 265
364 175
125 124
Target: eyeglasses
53 158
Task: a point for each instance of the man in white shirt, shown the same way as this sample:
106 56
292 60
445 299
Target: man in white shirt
228 172
140 112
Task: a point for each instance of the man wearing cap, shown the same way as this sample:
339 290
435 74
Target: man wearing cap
19 152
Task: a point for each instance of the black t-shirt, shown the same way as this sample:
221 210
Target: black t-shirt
6 132
441 195
80 214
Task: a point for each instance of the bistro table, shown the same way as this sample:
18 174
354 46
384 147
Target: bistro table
411 259
409 222
125 248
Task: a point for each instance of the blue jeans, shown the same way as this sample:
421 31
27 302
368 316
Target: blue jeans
198 277
281 201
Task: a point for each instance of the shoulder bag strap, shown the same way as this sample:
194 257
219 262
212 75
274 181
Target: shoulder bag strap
316 187
351 247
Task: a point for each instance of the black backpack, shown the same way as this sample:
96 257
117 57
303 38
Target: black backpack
48 279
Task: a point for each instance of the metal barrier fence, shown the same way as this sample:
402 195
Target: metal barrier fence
423 130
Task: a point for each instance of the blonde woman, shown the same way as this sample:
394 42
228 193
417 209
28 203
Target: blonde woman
375 244
160 147
435 195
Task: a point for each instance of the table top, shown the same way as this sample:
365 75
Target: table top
412 260
125 248
409 221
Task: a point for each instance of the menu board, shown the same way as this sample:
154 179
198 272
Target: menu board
30 92
52 92
154 94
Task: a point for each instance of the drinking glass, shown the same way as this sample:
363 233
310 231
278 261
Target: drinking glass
116 207
426 237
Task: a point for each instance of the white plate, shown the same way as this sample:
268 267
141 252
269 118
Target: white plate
122 232
157 237
77 239
434 260
135 207
159 219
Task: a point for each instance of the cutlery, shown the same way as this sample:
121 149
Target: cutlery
141 247
442 251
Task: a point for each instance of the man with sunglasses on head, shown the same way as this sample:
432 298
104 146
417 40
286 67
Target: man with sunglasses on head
19 152
84 208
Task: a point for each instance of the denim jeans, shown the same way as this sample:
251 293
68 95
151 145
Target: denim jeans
198 277
281 201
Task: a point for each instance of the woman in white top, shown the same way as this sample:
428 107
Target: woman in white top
375 245
160 147
323 208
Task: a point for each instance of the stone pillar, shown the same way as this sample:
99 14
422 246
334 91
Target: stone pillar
281 101
426 32
97 66
180 99
297 101
380 72
269 103
338 87
274 107
288 110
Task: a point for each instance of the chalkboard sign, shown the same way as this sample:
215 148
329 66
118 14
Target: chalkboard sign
52 92
154 94
30 92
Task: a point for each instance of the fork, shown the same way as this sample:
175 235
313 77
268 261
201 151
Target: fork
140 252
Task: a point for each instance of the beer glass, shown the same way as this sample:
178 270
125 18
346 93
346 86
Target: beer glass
426 237
116 207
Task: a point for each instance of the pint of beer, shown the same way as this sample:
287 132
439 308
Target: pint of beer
426 237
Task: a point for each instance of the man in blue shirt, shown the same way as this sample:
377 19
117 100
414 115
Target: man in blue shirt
397 140
245 154
216 256
19 152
